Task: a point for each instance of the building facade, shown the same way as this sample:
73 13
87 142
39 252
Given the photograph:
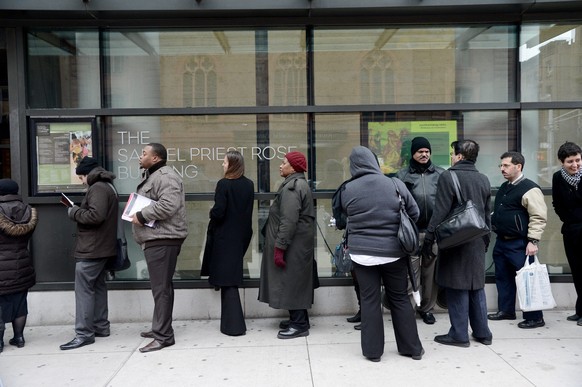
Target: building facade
104 77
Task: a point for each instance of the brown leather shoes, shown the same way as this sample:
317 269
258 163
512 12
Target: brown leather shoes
147 335
155 345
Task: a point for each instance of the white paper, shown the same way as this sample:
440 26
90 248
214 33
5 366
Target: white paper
136 203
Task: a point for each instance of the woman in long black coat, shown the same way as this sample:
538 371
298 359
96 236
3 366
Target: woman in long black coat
17 222
567 201
229 234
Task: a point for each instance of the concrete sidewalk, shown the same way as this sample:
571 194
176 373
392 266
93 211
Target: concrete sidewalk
330 356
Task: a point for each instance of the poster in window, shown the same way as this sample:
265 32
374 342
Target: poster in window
390 141
59 147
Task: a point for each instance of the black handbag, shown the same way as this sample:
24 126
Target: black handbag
120 261
407 231
341 257
463 224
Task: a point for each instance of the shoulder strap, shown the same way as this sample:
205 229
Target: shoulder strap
120 228
402 205
457 187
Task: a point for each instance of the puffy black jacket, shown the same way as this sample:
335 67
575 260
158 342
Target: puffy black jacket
17 222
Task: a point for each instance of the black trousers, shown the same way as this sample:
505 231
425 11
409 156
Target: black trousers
572 235
161 261
232 319
299 319
394 277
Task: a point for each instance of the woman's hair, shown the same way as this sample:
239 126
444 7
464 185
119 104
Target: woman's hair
236 165
568 149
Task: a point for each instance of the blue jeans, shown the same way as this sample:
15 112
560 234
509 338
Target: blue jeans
509 257
467 306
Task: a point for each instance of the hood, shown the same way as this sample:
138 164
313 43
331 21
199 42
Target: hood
363 162
99 174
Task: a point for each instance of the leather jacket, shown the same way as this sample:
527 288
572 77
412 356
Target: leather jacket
423 187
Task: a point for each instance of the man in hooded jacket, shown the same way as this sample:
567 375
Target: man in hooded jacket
96 242
371 203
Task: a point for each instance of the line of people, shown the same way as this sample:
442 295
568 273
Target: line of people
288 270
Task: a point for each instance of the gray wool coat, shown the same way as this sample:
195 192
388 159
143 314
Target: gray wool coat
291 227
462 267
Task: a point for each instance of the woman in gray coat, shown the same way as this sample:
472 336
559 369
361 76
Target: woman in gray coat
372 206
287 266
461 269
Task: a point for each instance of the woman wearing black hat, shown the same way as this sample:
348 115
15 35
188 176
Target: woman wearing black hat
17 222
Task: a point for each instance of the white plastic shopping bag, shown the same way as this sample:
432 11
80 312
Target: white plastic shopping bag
533 287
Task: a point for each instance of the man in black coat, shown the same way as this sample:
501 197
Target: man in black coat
461 269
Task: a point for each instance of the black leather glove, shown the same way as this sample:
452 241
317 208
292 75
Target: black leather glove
427 249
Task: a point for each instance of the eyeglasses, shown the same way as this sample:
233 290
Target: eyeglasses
505 166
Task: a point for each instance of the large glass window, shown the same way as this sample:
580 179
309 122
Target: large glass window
205 68
543 133
63 69
174 70
414 65
180 68
196 147
550 56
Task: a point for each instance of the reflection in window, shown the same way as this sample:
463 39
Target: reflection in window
290 79
428 65
550 55
377 78
63 69
199 83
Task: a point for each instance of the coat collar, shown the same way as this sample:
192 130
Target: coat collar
464 165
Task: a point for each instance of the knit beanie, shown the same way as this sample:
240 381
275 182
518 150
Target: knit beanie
86 165
297 161
8 187
419 143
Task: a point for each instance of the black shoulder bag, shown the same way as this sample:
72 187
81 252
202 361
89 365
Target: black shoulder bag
463 224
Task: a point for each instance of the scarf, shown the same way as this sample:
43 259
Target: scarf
574 179
418 167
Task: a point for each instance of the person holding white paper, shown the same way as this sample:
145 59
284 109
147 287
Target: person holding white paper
161 244
96 242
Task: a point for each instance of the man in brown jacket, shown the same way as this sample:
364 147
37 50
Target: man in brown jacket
96 219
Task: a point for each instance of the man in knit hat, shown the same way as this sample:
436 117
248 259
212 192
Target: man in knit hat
96 242
421 177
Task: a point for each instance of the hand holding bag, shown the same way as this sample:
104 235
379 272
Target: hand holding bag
407 231
463 224
533 287
121 260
